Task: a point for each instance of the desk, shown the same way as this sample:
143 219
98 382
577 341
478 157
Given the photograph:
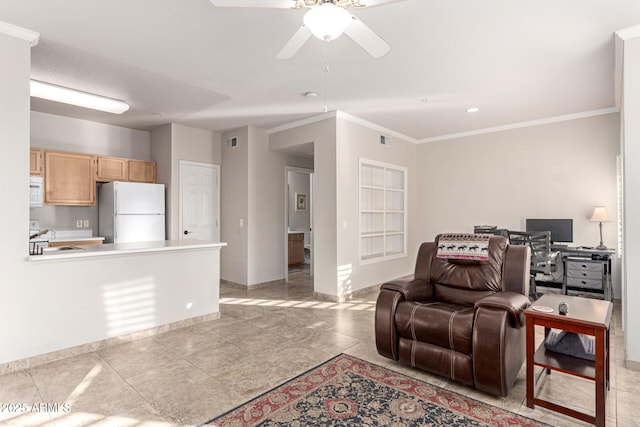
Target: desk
582 251
586 316
586 270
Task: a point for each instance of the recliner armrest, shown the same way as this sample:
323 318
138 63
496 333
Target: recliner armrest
411 289
514 303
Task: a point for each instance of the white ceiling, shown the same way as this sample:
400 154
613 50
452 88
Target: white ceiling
189 62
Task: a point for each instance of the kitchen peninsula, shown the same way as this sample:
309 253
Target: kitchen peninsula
108 294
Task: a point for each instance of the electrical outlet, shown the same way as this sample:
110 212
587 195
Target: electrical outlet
79 223
86 223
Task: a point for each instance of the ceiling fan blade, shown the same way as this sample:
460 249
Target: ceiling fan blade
295 43
366 38
372 3
278 4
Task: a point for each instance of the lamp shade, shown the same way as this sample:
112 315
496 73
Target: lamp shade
327 21
600 214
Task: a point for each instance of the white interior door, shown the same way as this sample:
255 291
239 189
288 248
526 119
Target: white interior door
199 201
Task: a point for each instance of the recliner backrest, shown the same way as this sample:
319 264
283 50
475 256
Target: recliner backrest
465 281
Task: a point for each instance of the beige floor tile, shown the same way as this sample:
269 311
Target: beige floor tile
263 338
173 382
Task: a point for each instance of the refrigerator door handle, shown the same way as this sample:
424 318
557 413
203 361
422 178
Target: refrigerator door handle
115 199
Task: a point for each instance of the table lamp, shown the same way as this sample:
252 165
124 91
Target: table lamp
600 215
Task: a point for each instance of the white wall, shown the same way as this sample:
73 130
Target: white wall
253 190
356 141
188 143
559 170
15 306
82 136
323 135
170 144
338 145
631 155
267 232
234 206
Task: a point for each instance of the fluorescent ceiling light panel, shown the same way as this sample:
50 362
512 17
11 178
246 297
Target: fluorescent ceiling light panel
75 97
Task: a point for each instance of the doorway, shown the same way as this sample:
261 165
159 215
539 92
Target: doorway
199 215
298 221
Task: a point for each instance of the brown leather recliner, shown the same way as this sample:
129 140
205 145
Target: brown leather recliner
460 319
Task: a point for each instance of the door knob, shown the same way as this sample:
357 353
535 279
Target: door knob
187 232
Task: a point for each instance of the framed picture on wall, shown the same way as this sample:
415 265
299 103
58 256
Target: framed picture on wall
301 202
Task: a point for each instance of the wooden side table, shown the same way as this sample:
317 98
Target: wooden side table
586 316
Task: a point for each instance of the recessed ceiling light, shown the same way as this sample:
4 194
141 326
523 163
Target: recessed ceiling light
473 110
424 100
310 94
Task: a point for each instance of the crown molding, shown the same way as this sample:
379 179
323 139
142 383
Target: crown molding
548 120
344 116
628 33
21 33
302 122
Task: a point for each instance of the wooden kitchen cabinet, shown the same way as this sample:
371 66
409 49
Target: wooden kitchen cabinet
35 162
141 171
69 179
296 249
112 169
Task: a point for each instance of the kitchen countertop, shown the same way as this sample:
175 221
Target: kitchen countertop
77 239
111 249
59 236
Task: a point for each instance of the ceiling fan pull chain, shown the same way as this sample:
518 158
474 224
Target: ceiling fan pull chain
324 74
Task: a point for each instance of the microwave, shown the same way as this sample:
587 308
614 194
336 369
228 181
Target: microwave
36 192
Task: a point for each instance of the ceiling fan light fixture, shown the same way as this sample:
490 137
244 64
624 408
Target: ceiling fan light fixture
76 97
327 21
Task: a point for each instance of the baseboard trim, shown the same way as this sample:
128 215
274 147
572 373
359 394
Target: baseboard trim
632 365
253 286
30 362
348 296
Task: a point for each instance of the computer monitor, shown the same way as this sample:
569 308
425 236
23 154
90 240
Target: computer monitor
561 229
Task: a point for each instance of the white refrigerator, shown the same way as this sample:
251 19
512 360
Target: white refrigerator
131 212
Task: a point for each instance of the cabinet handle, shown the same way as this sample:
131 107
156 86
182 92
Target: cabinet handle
584 265
584 274
583 282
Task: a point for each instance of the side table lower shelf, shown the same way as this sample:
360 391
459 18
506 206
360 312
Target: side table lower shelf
563 363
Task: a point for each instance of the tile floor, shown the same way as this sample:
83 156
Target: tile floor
264 337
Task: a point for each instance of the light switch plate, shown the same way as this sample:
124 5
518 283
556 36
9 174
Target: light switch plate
34 224
79 223
85 224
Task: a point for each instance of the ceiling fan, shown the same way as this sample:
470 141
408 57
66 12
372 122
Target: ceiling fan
325 19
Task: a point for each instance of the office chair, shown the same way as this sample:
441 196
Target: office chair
546 265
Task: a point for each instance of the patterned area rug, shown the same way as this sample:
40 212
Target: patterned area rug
346 391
